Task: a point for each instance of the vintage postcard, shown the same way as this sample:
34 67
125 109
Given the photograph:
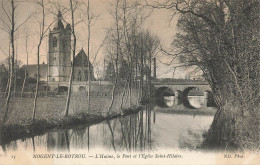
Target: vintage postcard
129 82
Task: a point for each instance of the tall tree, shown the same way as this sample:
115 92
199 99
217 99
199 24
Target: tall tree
117 55
89 73
11 29
110 72
25 72
89 21
124 40
42 34
72 10
123 70
10 26
221 37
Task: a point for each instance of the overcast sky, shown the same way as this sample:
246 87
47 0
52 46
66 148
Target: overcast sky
158 24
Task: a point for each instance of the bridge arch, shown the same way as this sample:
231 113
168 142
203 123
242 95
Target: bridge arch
164 97
197 92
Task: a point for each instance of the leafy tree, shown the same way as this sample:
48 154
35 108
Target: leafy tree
3 78
222 38
110 72
124 71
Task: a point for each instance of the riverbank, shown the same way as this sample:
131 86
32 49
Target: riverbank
10 132
180 109
50 113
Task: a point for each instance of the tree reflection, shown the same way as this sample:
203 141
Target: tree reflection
58 140
67 140
112 135
33 144
126 133
136 131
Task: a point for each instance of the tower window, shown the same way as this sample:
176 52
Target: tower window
55 42
64 45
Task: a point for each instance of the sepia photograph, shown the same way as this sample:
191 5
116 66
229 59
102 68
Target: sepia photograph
130 82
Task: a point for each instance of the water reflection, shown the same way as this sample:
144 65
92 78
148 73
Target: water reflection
196 101
144 131
193 102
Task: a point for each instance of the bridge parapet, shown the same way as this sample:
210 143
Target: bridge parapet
181 82
182 87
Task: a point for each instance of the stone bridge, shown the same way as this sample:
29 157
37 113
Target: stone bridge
181 89
177 89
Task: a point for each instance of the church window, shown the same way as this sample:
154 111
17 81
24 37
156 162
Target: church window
79 76
86 75
55 42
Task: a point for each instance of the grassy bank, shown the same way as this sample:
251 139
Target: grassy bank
50 113
13 131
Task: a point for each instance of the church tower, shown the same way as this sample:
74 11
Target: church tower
59 55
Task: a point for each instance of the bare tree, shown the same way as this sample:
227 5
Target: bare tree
117 55
25 72
8 24
125 45
42 35
11 29
9 69
72 9
89 20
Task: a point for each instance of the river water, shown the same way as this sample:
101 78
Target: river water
148 130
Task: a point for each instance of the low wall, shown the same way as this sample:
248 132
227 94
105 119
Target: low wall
100 101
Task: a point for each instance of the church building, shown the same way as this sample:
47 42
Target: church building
59 59
59 55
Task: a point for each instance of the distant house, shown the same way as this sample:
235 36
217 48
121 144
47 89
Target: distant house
2 68
32 71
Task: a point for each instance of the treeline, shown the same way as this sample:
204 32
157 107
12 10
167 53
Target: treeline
19 76
130 48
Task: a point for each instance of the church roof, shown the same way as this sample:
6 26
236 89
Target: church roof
81 60
58 24
32 70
